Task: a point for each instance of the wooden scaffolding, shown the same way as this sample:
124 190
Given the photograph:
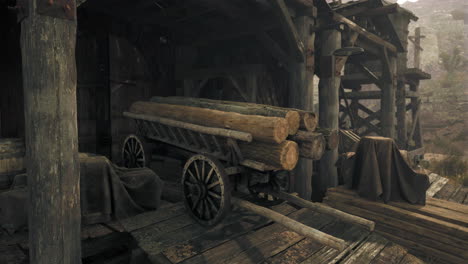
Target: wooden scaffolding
380 75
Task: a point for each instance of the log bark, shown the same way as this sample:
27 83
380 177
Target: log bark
283 156
290 115
266 129
293 225
307 120
325 209
311 144
332 137
247 137
49 84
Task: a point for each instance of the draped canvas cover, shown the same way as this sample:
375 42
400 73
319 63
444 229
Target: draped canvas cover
379 171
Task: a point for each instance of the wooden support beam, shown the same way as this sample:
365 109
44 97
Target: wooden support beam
387 102
291 224
329 102
364 95
364 33
301 96
401 115
324 209
292 36
371 12
48 42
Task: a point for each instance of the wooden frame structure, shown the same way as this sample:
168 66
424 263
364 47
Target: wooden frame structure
282 34
383 65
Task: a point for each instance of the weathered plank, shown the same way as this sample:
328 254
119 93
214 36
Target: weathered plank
460 195
426 238
152 217
368 250
280 241
230 249
410 259
309 250
353 236
436 185
220 234
436 212
381 209
458 250
449 189
422 251
392 253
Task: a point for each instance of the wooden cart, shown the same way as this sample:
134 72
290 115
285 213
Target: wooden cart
215 164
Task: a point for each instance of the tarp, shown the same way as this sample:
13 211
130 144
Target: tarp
108 192
379 171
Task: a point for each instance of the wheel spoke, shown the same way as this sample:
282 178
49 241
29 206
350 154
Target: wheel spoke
210 186
208 198
207 210
196 170
195 204
208 177
202 178
191 175
215 195
140 150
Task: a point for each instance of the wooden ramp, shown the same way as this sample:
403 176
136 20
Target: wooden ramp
169 235
436 232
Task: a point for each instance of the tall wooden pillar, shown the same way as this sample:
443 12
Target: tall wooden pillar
388 96
301 96
401 115
48 37
415 112
329 104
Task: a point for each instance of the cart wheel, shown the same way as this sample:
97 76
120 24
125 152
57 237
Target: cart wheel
134 154
207 194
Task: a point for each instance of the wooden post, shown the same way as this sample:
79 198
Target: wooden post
329 87
49 77
301 97
401 115
387 101
417 48
416 124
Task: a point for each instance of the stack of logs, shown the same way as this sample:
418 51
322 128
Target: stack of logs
280 135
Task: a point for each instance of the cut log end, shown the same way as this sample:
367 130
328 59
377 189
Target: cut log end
281 130
308 121
293 119
289 155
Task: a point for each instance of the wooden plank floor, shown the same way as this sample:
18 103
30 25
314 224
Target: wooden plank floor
169 235
437 231
445 189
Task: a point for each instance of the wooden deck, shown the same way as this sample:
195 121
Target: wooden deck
169 235
436 232
445 189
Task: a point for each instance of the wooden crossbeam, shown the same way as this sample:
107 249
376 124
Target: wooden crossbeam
364 95
364 33
369 12
289 29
